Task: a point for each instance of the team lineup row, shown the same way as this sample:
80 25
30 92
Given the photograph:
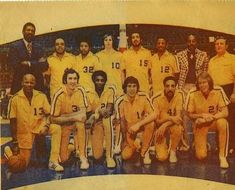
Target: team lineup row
73 111
133 110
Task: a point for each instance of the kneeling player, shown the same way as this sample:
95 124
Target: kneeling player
170 104
131 108
101 100
28 109
207 107
68 110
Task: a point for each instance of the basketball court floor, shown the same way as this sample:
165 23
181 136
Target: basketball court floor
187 168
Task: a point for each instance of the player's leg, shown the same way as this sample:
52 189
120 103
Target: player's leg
65 134
161 149
97 139
175 136
82 144
109 138
184 146
128 146
118 139
26 154
147 139
200 141
223 130
55 132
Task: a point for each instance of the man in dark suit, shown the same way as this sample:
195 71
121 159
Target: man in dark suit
25 56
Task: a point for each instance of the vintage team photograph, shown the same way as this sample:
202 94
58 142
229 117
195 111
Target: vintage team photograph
121 102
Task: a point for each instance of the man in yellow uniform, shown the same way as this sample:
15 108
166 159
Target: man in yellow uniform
58 62
86 64
28 110
130 109
101 100
137 63
207 107
169 102
163 64
222 70
112 63
68 110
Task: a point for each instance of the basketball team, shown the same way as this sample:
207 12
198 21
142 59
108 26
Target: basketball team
119 102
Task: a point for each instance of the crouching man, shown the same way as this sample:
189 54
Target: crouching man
207 107
131 108
68 111
28 110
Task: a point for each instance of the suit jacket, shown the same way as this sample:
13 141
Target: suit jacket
18 53
200 65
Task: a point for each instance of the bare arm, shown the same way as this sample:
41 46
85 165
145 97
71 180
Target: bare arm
170 120
106 111
222 113
70 117
194 116
134 128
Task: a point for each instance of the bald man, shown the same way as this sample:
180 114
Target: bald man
28 111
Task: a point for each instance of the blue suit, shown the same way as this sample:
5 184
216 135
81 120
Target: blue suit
18 53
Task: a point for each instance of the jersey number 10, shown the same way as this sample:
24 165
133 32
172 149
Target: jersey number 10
115 65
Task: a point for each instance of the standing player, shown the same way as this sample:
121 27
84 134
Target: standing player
131 108
101 100
58 62
163 65
222 70
68 110
28 110
170 105
207 107
86 64
112 63
137 63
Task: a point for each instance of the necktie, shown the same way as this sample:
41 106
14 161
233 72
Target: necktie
29 48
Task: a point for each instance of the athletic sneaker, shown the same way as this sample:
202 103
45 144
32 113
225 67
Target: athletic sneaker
137 144
84 163
147 160
110 162
172 157
117 150
8 152
223 162
55 166
89 152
